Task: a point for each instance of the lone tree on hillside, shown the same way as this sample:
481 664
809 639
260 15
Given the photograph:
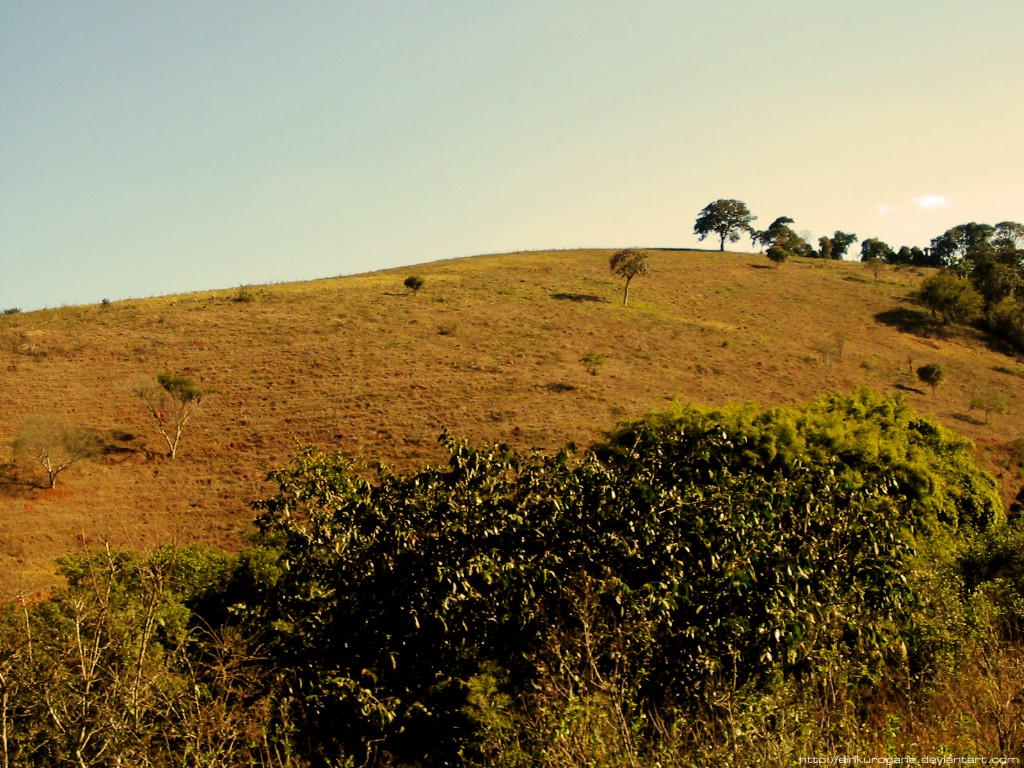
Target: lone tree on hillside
170 405
989 403
728 219
47 440
413 283
932 375
627 264
777 254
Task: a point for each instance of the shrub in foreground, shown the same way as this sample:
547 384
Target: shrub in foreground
705 585
692 549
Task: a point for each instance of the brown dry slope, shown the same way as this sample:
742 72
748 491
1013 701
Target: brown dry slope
492 348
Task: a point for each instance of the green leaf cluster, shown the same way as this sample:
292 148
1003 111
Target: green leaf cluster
868 437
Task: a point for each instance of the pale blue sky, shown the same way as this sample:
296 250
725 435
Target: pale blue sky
157 147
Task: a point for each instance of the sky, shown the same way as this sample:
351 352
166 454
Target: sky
161 147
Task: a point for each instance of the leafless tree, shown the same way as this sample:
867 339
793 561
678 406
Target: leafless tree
49 441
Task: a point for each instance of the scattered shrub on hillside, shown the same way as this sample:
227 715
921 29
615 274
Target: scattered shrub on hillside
12 311
413 283
932 375
777 254
29 343
592 362
831 346
989 403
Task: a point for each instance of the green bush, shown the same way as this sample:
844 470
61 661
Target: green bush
932 375
695 551
868 436
1006 319
951 296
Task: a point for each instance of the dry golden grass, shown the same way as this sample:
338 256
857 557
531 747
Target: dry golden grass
490 348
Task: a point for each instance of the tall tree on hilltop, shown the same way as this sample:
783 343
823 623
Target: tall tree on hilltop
915 257
873 248
728 219
768 237
785 241
957 247
1009 235
835 247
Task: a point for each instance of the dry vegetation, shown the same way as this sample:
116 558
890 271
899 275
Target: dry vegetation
533 348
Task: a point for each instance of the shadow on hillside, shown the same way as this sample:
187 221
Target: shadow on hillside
905 388
908 320
1018 372
968 419
117 447
12 484
762 266
577 297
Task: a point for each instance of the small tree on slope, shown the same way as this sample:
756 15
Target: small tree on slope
627 264
53 444
170 405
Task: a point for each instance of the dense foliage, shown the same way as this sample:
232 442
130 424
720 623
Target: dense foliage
509 609
983 277
693 547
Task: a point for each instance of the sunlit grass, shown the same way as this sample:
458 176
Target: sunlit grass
490 348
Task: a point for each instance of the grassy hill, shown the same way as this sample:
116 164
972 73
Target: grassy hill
531 348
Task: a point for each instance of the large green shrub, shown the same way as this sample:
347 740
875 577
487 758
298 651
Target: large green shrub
869 436
694 549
